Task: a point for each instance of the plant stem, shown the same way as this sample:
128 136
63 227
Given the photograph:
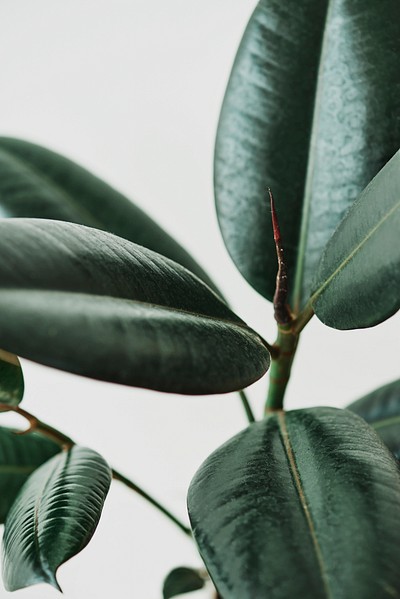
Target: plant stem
302 319
131 485
280 368
283 356
66 443
247 407
41 427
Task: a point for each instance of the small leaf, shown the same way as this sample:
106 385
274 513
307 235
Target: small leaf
11 379
381 409
54 517
303 504
36 182
312 110
20 455
358 278
95 304
182 580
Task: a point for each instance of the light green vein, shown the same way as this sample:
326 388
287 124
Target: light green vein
385 422
315 126
9 469
358 247
303 501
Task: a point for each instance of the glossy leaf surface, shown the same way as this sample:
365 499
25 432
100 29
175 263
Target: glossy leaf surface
358 278
95 304
11 379
20 455
381 409
36 182
182 580
303 504
53 517
311 110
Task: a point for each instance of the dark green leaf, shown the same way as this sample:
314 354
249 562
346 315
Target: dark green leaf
182 580
54 517
36 182
11 379
312 110
358 278
95 304
381 409
20 455
303 504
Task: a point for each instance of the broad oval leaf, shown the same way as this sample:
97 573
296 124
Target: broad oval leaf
358 278
303 504
36 182
381 409
95 304
11 379
312 110
182 580
20 455
54 517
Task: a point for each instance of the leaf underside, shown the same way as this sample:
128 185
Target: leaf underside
20 455
381 409
89 302
311 110
358 278
313 493
53 517
36 182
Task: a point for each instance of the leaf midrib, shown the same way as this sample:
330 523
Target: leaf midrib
11 469
385 422
302 498
353 253
37 505
305 217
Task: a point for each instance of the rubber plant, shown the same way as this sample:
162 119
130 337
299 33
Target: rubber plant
302 503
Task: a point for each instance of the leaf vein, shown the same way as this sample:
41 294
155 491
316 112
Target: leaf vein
306 212
303 501
350 256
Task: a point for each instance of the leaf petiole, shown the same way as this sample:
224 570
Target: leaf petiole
66 443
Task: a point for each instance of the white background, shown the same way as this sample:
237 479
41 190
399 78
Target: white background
132 90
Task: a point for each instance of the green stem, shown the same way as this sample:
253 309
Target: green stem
247 407
283 356
281 365
131 485
66 443
54 434
302 319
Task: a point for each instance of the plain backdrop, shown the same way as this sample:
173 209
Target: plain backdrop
131 89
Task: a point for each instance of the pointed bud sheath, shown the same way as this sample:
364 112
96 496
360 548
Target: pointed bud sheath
282 312
302 504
